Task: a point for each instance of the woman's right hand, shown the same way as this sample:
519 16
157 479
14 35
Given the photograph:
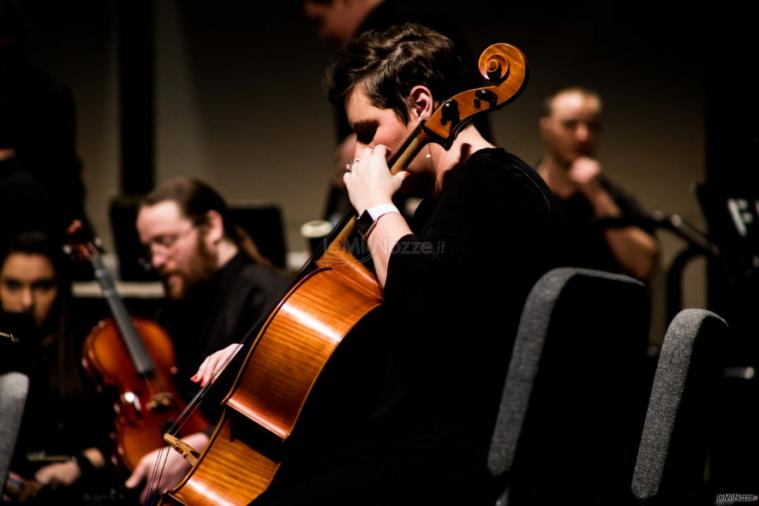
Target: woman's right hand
214 364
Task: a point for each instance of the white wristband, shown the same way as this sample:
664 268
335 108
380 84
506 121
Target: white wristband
382 209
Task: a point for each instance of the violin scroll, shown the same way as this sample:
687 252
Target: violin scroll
80 246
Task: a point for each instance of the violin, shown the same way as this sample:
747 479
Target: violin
330 295
134 358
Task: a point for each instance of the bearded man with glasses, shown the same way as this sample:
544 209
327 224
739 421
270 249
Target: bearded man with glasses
217 287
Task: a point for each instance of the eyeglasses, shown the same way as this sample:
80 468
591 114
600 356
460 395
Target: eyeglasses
162 244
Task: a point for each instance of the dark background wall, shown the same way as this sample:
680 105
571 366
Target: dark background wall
237 97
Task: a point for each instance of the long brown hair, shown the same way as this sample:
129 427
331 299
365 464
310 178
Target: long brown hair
65 372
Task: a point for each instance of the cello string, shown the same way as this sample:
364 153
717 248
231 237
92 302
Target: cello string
195 402
152 493
250 336
197 399
246 342
162 458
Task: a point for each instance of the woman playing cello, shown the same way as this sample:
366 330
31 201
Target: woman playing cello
454 281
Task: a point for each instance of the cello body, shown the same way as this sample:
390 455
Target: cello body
281 367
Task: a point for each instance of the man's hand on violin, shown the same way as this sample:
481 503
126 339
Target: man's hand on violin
369 181
214 364
58 474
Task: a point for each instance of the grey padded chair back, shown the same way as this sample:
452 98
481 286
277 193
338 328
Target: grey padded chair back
674 445
574 397
14 387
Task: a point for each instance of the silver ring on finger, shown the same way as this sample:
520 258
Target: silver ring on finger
349 166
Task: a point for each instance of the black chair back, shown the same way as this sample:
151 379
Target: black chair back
681 411
574 396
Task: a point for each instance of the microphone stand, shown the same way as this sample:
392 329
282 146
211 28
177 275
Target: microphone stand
685 231
698 245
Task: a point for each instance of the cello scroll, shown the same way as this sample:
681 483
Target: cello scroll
503 65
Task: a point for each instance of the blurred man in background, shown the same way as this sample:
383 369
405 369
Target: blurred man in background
570 127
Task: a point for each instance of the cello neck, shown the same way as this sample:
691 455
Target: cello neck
132 340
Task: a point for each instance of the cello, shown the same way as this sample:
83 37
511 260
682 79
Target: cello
294 344
134 357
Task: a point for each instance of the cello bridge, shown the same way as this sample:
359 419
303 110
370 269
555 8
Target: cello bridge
189 453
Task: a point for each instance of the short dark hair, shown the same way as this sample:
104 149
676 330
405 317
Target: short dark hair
194 198
387 64
547 108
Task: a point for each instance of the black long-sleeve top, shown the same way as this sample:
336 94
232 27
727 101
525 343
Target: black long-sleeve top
456 287
429 365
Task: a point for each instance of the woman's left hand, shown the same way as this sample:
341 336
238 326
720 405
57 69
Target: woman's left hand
214 363
369 181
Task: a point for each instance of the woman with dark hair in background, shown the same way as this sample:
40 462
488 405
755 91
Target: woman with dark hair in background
64 431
